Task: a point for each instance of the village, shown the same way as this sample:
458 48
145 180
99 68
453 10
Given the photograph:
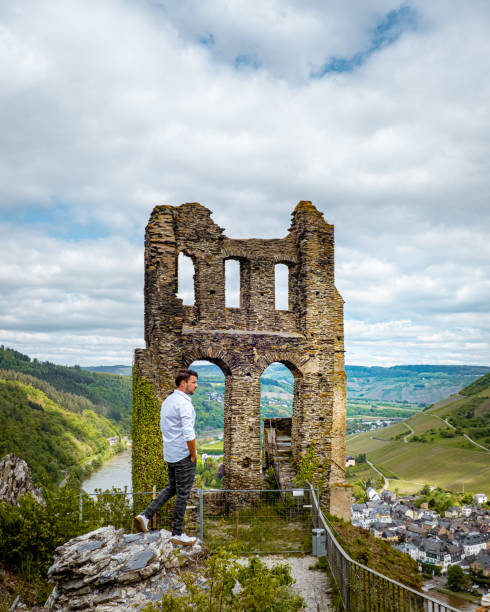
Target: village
461 536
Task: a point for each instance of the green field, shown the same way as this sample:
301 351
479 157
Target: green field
437 454
360 471
214 448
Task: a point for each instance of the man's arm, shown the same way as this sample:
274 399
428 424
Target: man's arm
191 445
188 432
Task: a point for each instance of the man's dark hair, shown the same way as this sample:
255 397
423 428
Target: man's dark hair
184 375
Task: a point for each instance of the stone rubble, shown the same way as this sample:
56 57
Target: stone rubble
107 570
16 480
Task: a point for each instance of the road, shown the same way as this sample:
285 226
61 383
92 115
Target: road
386 481
405 439
465 435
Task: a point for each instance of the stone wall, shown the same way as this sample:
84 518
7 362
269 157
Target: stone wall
308 338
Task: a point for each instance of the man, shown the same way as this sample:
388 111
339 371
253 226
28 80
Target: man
177 418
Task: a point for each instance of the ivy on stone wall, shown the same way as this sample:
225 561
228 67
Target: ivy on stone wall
148 467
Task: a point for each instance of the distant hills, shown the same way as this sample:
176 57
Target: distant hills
121 370
410 383
406 383
394 392
447 445
52 439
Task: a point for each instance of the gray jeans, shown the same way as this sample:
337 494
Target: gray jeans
180 480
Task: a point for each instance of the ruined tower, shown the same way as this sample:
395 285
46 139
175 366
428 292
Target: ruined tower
308 338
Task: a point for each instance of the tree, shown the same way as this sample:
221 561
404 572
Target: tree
456 578
425 490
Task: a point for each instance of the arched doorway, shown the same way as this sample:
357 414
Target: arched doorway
277 401
208 401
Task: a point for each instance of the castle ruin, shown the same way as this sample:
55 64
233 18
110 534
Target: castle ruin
308 338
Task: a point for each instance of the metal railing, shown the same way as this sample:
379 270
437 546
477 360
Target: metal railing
362 589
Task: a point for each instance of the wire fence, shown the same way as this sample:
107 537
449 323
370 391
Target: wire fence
263 521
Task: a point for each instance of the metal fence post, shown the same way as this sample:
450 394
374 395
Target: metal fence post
201 515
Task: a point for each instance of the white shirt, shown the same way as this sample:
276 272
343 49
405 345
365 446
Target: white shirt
177 418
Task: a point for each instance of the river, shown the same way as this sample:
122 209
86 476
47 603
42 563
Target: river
452 600
115 472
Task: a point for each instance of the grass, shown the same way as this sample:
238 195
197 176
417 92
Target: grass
423 422
363 443
360 471
438 460
261 528
438 465
387 433
376 554
212 447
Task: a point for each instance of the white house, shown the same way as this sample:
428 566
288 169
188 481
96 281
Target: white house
473 543
452 512
480 498
371 493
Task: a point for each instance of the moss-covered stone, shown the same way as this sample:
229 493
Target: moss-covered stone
148 467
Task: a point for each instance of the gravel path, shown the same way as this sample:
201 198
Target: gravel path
312 585
386 482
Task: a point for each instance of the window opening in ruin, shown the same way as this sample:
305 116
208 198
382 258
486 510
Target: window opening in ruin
232 283
208 401
281 278
276 399
185 275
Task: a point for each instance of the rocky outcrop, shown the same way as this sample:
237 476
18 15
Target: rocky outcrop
16 480
107 569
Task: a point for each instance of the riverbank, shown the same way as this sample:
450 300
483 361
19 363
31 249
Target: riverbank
115 472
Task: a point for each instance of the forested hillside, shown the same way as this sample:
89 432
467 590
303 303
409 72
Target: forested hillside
108 394
51 438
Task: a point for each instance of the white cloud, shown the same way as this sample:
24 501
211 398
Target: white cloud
110 108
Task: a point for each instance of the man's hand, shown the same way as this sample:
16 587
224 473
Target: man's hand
191 445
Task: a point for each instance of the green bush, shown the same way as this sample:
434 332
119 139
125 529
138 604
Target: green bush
211 588
30 532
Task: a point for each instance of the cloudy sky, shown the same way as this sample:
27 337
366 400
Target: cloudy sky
376 111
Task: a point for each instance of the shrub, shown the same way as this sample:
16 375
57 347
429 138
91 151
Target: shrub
211 588
30 532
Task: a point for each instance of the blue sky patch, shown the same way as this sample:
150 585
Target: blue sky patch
57 221
385 33
246 61
208 41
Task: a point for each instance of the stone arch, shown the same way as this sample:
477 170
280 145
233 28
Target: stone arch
291 361
210 354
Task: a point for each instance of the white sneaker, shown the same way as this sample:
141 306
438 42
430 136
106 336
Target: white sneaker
141 522
183 539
